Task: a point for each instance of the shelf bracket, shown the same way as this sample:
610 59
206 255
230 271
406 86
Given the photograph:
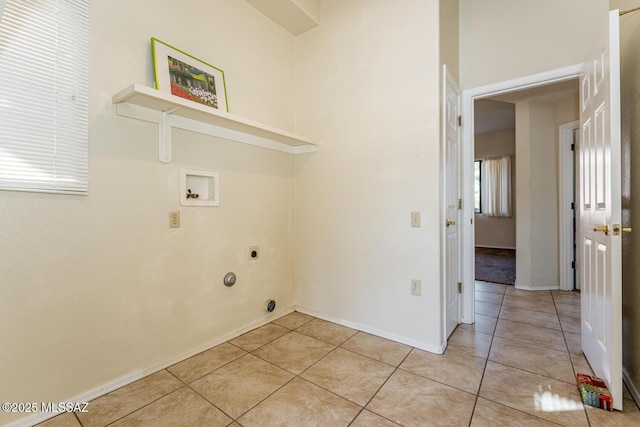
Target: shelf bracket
149 105
164 138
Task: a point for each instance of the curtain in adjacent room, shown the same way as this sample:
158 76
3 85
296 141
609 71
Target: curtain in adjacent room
496 186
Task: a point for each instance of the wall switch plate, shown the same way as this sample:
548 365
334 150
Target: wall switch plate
174 219
415 219
254 252
416 287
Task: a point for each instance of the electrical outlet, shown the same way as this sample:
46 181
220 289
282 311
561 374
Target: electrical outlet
254 252
174 219
415 219
416 287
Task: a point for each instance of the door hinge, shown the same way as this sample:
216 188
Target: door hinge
573 147
573 205
459 120
459 287
459 203
573 264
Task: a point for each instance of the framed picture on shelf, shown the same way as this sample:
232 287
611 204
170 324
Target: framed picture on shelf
180 74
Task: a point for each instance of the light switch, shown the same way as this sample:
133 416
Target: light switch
415 219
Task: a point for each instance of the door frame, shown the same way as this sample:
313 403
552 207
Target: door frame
566 232
467 227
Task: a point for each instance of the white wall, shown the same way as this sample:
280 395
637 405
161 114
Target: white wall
450 36
505 39
537 183
537 201
496 232
98 288
373 105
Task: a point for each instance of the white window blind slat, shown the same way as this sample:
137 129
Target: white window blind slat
44 67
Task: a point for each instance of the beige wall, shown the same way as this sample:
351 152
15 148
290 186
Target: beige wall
496 232
630 69
97 290
537 183
505 39
367 85
450 36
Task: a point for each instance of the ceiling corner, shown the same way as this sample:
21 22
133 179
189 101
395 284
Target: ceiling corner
295 16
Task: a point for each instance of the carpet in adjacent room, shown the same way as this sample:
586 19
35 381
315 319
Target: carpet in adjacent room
496 265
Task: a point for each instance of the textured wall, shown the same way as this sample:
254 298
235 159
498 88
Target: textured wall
368 89
98 288
505 39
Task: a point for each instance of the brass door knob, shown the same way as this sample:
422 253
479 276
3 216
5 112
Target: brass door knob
448 222
604 228
617 229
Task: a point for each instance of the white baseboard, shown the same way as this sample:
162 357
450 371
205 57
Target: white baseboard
537 288
633 389
135 376
377 332
494 247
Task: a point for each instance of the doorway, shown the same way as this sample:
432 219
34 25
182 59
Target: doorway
494 175
509 91
567 141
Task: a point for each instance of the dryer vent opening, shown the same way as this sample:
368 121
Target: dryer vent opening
270 305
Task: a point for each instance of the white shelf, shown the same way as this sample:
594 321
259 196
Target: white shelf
169 111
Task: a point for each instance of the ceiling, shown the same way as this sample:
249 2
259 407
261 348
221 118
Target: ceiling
498 113
295 16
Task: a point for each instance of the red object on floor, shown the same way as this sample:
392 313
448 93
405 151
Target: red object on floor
594 392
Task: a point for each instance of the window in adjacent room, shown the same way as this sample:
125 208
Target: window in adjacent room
44 64
477 185
496 186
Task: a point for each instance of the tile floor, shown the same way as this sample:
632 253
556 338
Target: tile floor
514 366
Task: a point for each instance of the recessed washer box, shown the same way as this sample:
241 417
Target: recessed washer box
199 188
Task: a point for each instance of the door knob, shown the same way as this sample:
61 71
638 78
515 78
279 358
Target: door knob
617 229
604 228
448 222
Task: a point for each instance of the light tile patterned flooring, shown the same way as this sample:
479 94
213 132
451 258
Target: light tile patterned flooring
515 366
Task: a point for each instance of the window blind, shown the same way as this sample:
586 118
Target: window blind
44 72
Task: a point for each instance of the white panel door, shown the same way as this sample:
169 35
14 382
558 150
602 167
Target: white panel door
600 209
452 196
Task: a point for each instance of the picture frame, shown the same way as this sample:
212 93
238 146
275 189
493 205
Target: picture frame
180 74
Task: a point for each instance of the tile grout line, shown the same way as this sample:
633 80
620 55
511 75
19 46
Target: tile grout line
235 420
295 376
396 368
147 404
584 407
486 362
380 388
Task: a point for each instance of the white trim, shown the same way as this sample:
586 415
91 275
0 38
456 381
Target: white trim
635 392
565 198
495 247
137 375
468 215
170 111
442 196
373 331
538 288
